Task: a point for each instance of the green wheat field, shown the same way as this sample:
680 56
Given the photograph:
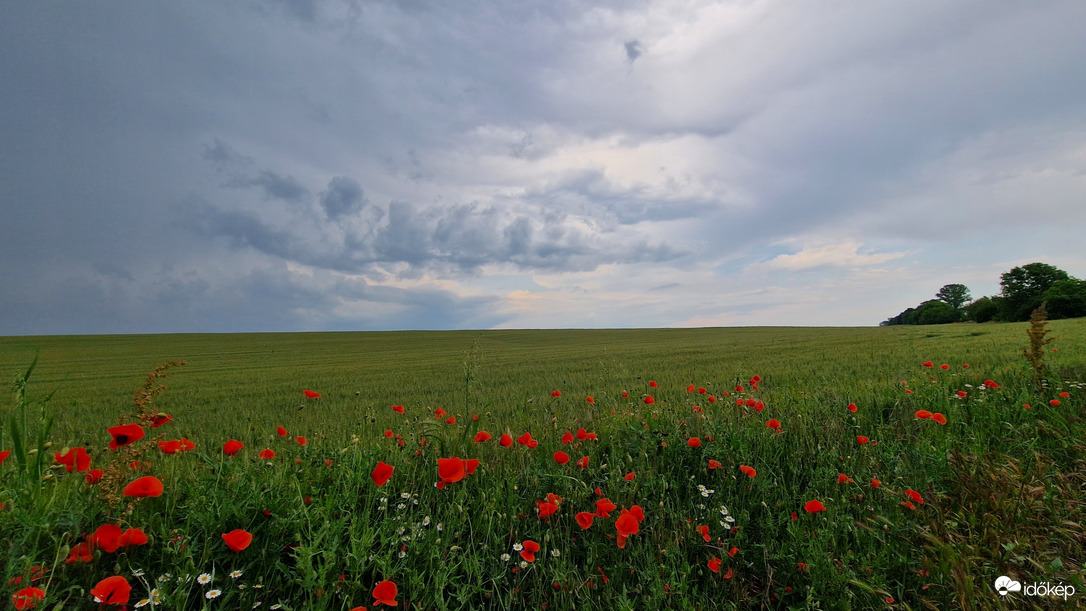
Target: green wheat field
711 469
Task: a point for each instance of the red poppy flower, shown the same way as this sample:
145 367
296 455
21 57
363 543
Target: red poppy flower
714 565
862 440
81 552
582 462
75 459
526 440
561 457
267 454
591 400
944 366
132 537
506 440
583 435
529 551
694 442
649 400
852 407
1065 394
302 441
928 364
556 393
25 598
637 513
4 456
311 394
398 409
159 419
961 394
94 476
384 593
604 507
281 431
914 496
450 470
145 486
813 506
112 591
124 435
584 519
440 413
482 436
625 394
941 419
690 388
470 465
545 509
171 446
626 525
773 424
909 391
1054 403
991 384
923 413
844 479
704 530
106 538
749 471
652 383
237 540
232 447
451 420
714 464
630 476
712 399
875 483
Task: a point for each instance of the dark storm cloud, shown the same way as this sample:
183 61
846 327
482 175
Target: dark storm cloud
343 196
634 49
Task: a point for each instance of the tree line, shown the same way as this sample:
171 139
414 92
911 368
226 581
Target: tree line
1022 290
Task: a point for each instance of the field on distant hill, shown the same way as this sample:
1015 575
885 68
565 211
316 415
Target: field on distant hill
678 468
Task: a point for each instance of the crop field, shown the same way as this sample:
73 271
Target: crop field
793 468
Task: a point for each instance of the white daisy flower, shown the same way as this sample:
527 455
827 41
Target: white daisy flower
400 506
276 606
505 557
517 547
203 579
403 554
405 495
440 527
235 574
426 521
143 603
523 564
164 577
555 553
137 573
212 594
256 604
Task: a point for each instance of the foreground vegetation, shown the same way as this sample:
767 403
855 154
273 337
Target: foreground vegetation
720 470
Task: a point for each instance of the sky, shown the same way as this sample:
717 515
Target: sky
299 165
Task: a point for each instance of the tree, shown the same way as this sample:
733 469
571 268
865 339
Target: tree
954 295
935 312
1066 299
1023 288
983 309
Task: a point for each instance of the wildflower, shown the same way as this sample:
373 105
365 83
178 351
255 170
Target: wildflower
604 507
124 435
914 496
844 479
81 552
517 547
237 539
814 506
212 593
232 447
704 530
381 473
862 440
582 462
309 394
203 579
267 454
450 470
132 537
714 464
852 407
482 436
282 432
690 388
145 486
112 590
940 418
556 393
626 525
774 424
630 476
991 384
1054 402
546 509
928 364
591 401
875 483
529 551
526 440
302 441
714 565
235 574
75 459
25 598
923 414
694 442
649 400
398 409
561 457
506 440
749 471
584 519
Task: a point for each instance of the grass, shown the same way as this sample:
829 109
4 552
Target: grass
1003 487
